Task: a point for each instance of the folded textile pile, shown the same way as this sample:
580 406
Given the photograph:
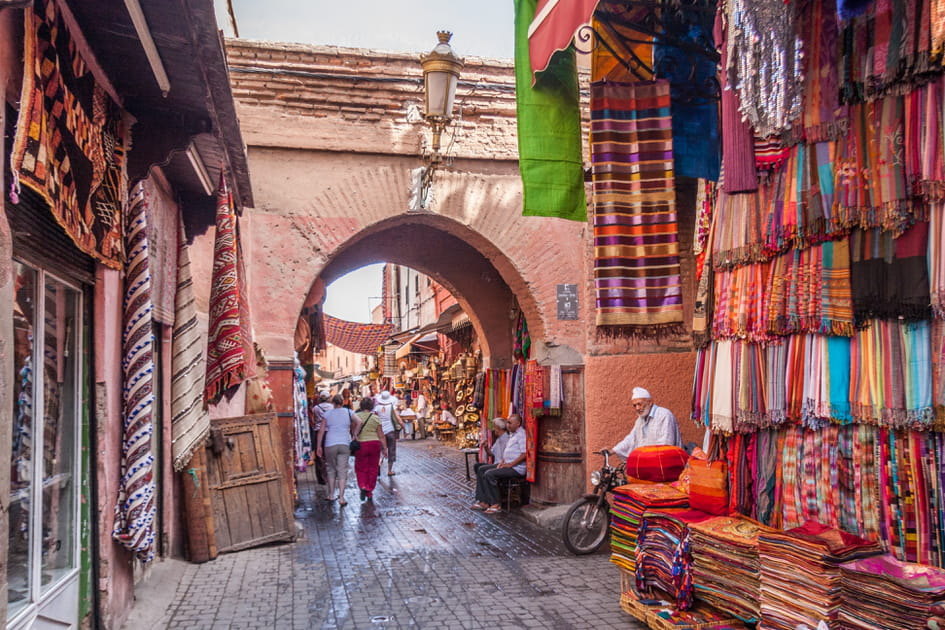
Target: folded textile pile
883 592
800 574
627 508
663 558
725 565
662 615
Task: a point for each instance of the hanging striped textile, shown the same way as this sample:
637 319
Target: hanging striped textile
135 510
190 422
636 258
226 358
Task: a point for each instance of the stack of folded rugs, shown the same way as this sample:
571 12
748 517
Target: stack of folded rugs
800 574
725 564
663 559
627 508
883 592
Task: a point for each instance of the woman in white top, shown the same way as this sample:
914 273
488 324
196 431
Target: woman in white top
339 427
386 409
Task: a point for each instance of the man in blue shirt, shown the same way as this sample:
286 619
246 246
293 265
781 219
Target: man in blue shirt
511 466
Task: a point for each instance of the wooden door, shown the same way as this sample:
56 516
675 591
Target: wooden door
246 477
561 474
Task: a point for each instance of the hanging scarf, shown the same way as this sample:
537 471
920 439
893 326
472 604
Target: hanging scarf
738 230
738 158
136 510
890 277
823 118
636 266
764 63
303 438
739 303
189 420
226 358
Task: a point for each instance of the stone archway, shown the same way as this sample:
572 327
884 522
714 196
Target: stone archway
431 244
331 145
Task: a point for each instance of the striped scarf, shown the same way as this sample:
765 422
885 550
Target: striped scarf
135 511
636 264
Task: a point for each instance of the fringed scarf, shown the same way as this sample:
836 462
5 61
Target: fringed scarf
823 117
925 140
891 374
190 422
809 291
890 277
226 358
798 200
636 265
136 510
739 303
889 48
738 231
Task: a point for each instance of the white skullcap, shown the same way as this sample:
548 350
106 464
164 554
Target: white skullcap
639 392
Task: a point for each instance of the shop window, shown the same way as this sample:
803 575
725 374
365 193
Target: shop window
44 473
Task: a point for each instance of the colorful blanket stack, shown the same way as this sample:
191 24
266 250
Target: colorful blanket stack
725 565
627 508
882 592
800 574
663 558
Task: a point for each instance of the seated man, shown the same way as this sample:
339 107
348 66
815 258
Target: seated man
510 466
654 426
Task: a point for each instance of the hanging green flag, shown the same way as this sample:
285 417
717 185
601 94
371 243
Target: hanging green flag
549 129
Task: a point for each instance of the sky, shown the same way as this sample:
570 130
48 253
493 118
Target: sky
481 28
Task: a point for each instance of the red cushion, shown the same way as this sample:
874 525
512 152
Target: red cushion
656 463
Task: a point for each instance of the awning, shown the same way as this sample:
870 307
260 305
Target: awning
404 350
354 336
460 321
553 28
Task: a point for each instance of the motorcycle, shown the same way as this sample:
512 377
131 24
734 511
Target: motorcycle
587 521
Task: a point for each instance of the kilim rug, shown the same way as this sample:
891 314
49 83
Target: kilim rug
135 511
69 143
226 359
190 422
636 246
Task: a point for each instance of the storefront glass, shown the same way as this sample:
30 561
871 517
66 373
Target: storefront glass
44 467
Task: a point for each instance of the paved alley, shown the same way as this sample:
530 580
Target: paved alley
416 558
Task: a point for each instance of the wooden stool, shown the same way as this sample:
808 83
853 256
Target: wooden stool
510 488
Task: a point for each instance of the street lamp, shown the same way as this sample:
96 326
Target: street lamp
441 69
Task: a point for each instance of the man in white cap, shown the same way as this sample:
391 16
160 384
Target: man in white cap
655 425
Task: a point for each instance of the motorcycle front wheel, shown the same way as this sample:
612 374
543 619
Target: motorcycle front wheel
586 525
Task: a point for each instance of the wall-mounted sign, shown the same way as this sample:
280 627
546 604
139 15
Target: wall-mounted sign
567 301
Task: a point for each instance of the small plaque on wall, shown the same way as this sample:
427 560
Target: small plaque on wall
567 301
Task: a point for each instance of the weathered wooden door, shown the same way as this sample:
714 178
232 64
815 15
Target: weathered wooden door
561 475
248 491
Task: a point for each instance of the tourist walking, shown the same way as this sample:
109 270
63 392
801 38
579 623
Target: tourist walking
373 446
386 408
339 427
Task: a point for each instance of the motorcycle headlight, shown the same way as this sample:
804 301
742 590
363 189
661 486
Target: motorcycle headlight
595 478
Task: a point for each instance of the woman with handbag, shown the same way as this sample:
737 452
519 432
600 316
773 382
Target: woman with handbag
386 408
339 427
373 445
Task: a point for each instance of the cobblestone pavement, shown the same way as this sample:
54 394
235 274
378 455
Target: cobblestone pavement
417 557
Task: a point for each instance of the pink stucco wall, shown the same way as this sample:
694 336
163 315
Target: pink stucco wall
116 582
609 380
